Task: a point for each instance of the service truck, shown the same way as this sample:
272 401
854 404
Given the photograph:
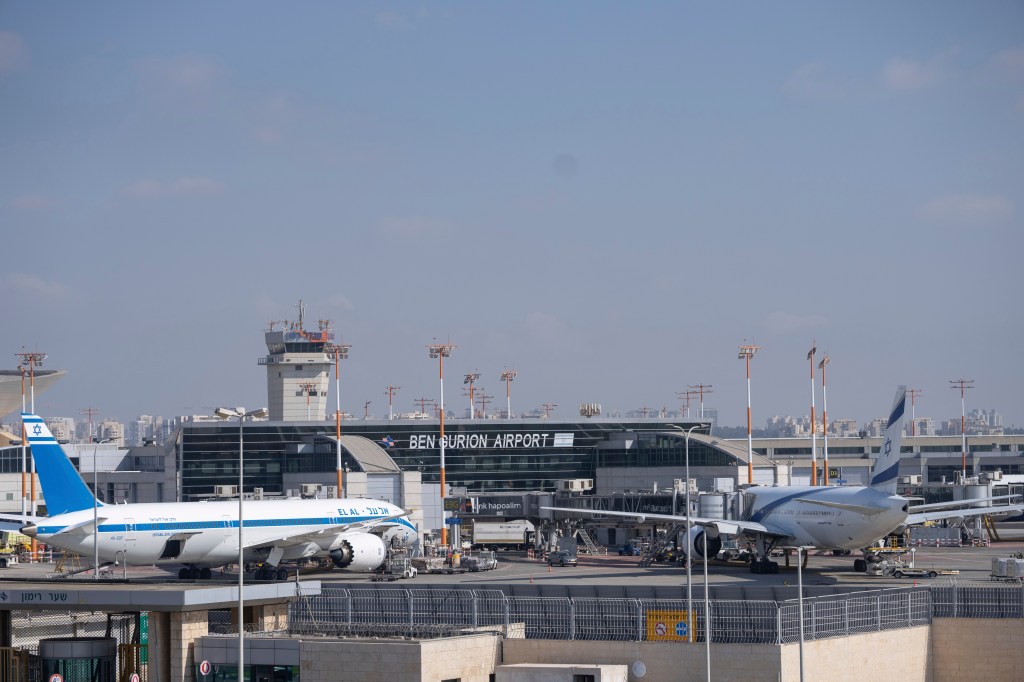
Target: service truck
495 535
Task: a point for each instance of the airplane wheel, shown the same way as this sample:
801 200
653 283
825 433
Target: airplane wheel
205 574
860 565
282 574
184 574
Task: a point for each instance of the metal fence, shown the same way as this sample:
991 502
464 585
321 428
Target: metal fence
418 613
978 600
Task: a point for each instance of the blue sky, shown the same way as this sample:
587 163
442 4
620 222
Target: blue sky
608 197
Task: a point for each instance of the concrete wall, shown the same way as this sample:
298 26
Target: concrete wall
977 649
471 659
185 628
903 654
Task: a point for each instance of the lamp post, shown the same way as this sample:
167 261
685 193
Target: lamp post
441 351
800 587
707 620
689 542
340 351
241 414
747 352
508 376
689 587
95 512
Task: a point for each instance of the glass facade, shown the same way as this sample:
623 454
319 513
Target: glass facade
482 455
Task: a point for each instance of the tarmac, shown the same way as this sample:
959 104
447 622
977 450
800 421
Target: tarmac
970 563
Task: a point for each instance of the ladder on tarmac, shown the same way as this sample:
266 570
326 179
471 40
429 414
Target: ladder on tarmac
659 546
589 543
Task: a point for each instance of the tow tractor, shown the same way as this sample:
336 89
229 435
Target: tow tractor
893 562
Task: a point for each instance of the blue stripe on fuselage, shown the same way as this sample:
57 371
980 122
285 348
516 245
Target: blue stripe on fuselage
184 526
759 515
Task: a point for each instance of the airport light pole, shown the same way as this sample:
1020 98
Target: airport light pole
390 393
800 587
707 618
747 352
702 389
241 415
824 415
470 379
963 385
441 351
913 392
95 513
689 542
508 376
340 351
31 359
814 422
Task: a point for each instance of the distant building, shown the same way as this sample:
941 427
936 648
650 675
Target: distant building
62 428
112 431
844 428
923 426
876 428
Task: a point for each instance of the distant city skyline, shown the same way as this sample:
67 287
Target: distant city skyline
609 198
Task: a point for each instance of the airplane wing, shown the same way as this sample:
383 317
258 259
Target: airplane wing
726 527
915 519
958 503
326 533
82 527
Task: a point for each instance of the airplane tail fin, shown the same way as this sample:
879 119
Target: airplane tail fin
887 466
63 488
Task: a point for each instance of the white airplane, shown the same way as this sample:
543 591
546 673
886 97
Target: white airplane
201 535
822 517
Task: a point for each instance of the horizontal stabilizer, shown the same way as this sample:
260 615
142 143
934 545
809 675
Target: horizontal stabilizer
915 519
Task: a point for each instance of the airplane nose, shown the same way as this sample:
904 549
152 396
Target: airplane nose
30 530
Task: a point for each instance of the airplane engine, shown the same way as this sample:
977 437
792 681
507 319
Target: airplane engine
359 552
704 543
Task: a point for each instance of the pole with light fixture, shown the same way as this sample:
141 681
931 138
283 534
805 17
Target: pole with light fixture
747 352
241 415
689 543
442 351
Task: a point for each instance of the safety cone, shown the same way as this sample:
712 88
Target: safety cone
549 568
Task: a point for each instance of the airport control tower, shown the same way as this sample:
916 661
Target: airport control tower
298 366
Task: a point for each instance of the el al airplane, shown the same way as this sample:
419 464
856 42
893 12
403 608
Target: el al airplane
201 535
822 517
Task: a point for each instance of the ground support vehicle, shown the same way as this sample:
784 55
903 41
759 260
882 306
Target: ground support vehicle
395 569
482 561
495 535
561 558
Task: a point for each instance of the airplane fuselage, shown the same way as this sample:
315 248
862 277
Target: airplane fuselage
206 533
846 525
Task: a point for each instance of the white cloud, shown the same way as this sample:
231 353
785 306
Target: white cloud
812 81
782 323
1009 63
32 202
150 189
967 208
902 73
13 55
35 285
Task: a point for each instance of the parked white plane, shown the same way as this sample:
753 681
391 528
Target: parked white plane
823 517
201 535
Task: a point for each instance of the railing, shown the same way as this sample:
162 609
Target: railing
342 612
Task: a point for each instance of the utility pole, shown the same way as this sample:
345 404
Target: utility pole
548 407
814 422
440 351
366 409
307 388
824 413
340 351
963 385
423 404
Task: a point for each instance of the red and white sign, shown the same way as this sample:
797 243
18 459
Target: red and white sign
56 677
204 669
134 678
661 629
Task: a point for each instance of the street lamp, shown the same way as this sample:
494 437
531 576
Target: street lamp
689 542
800 587
441 351
95 513
241 415
747 352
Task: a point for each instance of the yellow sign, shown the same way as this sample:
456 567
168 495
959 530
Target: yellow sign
670 626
